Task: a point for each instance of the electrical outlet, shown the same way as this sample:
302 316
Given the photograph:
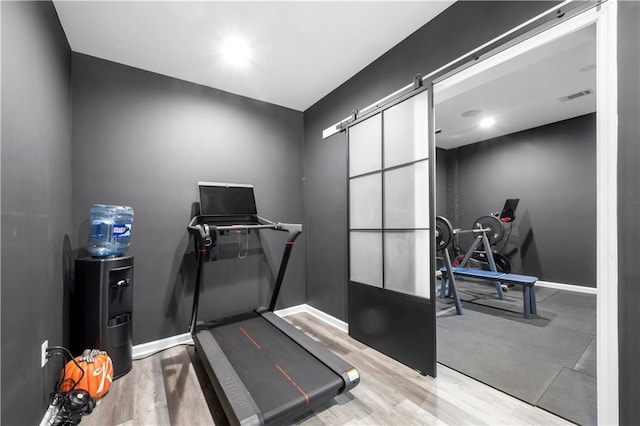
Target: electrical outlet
43 353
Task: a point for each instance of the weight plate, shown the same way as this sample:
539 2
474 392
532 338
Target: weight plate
479 260
495 228
502 263
444 233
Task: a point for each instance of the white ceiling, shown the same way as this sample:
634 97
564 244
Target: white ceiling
302 50
521 93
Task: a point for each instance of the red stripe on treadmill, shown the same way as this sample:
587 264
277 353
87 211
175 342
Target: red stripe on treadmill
250 338
284 373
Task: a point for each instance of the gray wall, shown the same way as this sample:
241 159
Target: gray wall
552 169
36 202
145 140
442 183
629 209
435 44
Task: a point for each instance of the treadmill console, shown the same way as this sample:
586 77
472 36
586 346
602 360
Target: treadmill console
227 202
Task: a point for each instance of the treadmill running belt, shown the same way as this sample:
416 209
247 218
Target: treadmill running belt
277 372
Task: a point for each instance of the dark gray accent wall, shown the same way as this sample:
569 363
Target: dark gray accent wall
442 182
629 209
36 202
459 29
552 170
145 140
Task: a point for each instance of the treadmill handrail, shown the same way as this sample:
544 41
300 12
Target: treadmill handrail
294 229
196 228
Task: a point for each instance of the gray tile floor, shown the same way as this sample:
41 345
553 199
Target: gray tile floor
548 361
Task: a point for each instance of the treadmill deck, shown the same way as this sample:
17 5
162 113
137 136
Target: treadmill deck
282 377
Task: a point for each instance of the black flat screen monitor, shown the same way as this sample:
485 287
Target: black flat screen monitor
227 200
509 209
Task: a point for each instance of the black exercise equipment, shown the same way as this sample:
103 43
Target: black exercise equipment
263 370
444 237
508 213
490 232
67 407
444 233
492 227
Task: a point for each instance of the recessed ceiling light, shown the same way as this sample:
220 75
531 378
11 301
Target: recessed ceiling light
487 122
235 51
471 113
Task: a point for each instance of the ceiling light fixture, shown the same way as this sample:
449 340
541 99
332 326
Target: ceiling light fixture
235 51
487 122
589 67
471 113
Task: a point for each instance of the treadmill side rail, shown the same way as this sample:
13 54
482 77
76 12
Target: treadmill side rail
346 371
239 407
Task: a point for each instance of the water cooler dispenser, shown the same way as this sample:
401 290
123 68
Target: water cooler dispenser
102 294
102 309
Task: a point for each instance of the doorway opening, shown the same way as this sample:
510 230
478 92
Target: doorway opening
545 147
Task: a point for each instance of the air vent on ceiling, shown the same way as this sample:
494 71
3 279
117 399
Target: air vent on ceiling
575 95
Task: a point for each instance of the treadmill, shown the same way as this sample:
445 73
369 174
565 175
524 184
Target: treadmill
263 370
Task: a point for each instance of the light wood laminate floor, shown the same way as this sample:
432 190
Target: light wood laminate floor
171 388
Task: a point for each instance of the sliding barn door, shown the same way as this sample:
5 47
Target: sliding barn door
391 293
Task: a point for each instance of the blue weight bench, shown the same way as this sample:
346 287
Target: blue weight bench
527 282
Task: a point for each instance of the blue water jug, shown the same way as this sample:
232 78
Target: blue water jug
110 233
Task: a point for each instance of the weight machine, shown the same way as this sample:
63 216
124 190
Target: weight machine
444 235
489 231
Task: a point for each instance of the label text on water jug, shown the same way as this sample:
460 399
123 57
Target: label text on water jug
121 230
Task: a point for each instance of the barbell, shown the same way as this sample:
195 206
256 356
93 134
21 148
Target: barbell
491 225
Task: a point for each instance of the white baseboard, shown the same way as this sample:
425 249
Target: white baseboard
332 321
291 310
567 287
145 349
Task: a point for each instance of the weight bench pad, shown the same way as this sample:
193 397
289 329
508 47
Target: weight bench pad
527 282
